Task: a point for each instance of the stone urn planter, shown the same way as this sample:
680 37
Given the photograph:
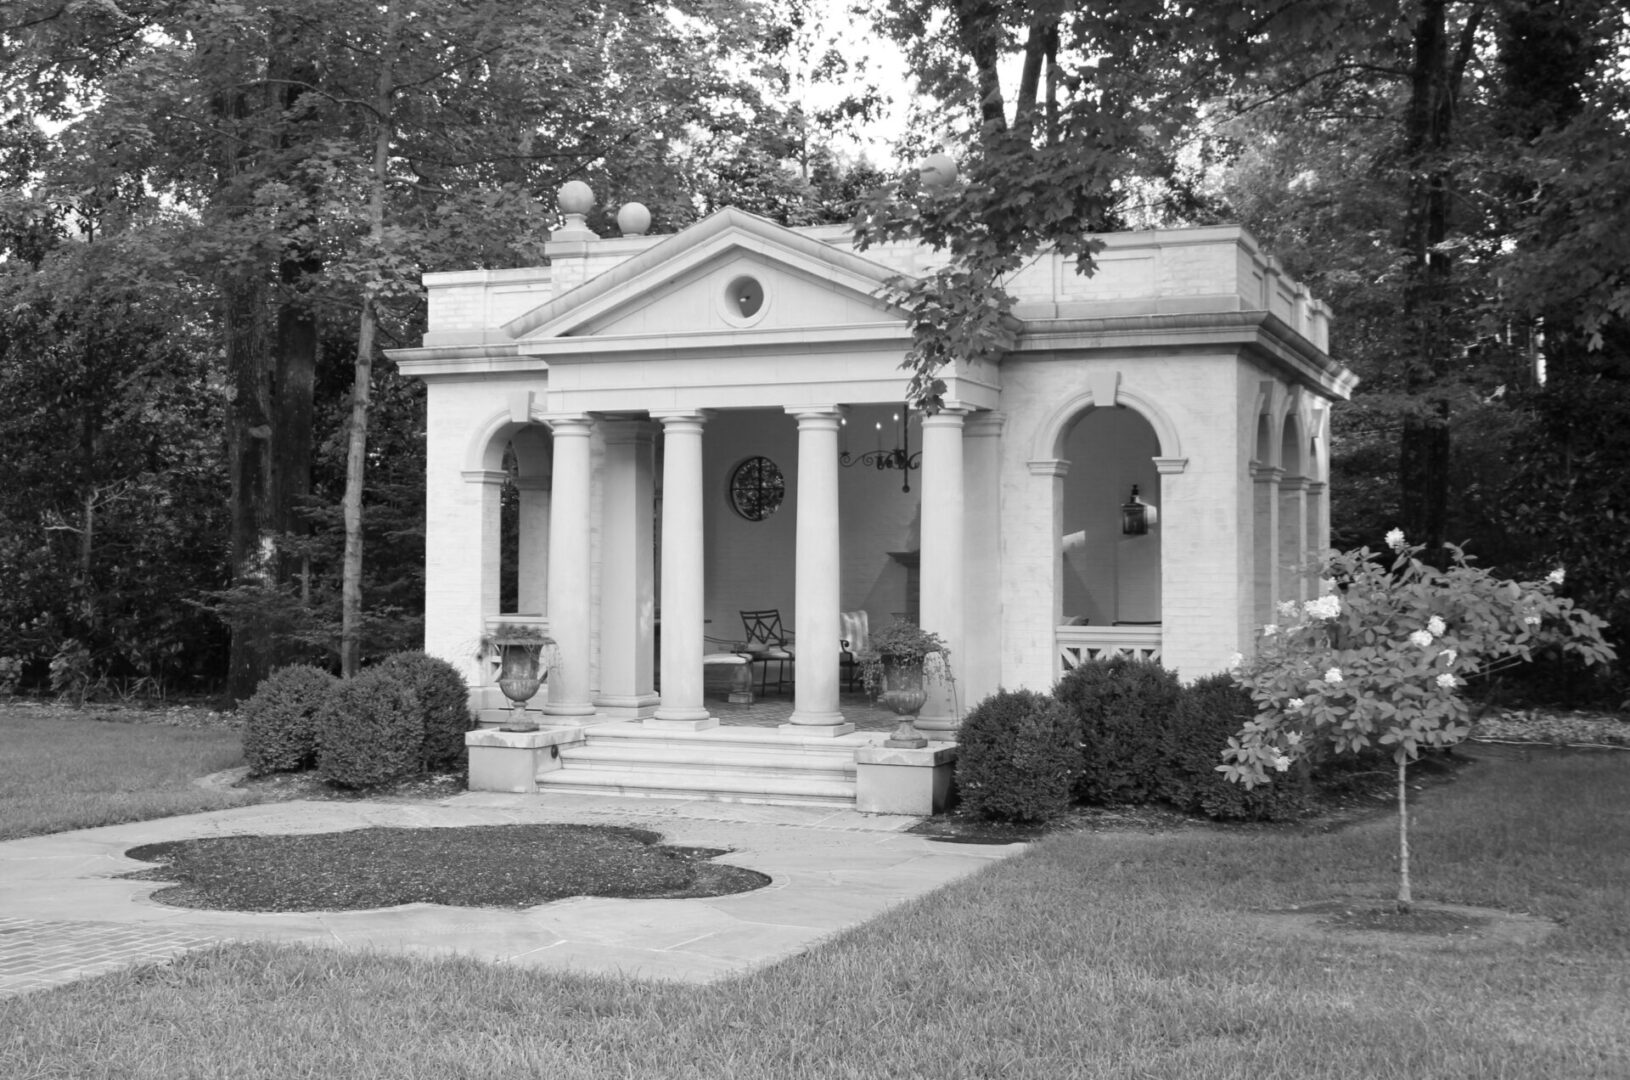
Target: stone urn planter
525 657
902 660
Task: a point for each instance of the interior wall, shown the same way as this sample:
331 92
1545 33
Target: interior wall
1108 577
752 564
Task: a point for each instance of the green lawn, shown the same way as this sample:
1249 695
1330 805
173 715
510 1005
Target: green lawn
1108 954
66 769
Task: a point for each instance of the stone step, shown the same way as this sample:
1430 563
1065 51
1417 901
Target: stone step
726 740
710 758
715 786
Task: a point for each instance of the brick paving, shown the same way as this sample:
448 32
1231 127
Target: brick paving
36 955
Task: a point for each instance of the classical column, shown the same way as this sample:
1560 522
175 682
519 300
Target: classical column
979 666
1265 541
1292 540
815 576
627 603
570 620
683 598
943 539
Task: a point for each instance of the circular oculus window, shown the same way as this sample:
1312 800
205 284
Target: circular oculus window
757 488
744 298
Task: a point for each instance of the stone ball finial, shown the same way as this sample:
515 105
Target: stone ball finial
937 170
575 197
633 219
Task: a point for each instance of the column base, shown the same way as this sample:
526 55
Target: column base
818 731
627 706
658 723
572 709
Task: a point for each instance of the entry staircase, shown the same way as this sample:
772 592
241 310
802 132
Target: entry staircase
727 764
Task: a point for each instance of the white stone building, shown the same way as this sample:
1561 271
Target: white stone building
634 389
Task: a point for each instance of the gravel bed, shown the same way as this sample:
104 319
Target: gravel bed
1553 728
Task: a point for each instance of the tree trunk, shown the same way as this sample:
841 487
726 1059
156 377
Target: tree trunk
1405 898
1424 444
356 458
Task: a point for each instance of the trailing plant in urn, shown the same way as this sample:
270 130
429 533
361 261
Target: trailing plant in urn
1382 662
903 657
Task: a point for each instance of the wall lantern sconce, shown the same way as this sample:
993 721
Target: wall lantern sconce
1137 516
899 457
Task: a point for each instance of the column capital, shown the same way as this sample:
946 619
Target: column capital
681 419
945 418
1049 467
567 424
1266 474
816 412
484 476
1314 487
1290 485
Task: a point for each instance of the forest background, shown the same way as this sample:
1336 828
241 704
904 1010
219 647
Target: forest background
214 215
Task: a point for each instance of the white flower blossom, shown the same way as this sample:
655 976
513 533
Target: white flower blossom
1287 607
1448 656
1294 738
1333 675
1435 626
1448 681
1235 660
1531 620
1420 639
1325 607
1395 539
1270 630
1294 704
1556 577
1281 762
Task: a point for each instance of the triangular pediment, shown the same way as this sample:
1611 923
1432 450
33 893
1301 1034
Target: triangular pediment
703 281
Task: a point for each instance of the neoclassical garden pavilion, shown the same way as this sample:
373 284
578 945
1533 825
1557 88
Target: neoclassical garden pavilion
650 397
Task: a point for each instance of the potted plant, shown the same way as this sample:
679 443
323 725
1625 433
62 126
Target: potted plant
902 659
526 654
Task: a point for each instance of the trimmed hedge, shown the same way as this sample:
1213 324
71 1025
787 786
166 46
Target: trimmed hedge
1018 754
280 722
370 731
444 705
1210 711
1125 710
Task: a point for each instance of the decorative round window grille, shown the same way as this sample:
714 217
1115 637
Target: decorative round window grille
757 488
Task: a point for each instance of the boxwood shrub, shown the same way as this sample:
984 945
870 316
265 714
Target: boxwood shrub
280 720
1018 755
371 731
444 704
1210 710
1125 709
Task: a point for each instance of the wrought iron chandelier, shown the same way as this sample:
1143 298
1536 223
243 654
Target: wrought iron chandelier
898 457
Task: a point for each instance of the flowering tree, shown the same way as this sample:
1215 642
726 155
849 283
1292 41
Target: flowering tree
1381 659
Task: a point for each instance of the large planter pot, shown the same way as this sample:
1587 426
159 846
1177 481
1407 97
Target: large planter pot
522 668
903 695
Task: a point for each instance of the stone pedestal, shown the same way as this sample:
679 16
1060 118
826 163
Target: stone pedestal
897 781
511 760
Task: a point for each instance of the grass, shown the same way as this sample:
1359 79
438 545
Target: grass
71 769
1094 954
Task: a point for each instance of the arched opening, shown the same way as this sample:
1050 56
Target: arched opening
1111 577
522 534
